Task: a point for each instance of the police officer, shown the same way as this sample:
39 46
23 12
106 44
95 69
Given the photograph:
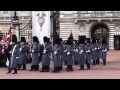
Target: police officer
46 55
14 55
57 56
104 52
22 54
81 49
69 57
35 54
88 51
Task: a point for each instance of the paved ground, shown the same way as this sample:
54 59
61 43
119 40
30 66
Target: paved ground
110 71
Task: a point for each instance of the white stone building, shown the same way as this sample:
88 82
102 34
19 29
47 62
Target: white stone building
98 24
41 25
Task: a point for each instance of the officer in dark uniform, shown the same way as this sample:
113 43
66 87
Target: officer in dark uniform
81 49
14 55
69 57
46 55
35 54
104 52
22 54
88 51
57 56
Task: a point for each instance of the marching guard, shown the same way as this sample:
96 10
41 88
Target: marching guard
69 56
14 55
94 51
57 56
46 55
104 52
88 50
22 54
98 53
75 53
81 49
35 54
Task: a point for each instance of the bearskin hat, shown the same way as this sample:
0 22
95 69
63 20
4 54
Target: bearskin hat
81 41
69 42
35 39
45 39
93 40
58 41
82 37
88 40
14 38
103 41
23 39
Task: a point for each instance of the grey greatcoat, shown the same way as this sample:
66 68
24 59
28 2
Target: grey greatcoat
88 53
81 49
35 53
98 52
64 52
57 56
69 56
23 54
14 56
76 53
46 55
104 52
94 52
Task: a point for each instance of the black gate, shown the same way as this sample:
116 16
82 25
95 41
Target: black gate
117 42
100 31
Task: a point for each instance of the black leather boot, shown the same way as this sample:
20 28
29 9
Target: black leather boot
36 68
9 70
81 67
15 71
32 67
43 69
47 68
19 66
104 62
71 68
88 66
24 67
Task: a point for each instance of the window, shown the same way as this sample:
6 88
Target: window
5 12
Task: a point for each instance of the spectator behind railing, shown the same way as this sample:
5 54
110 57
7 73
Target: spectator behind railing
0 55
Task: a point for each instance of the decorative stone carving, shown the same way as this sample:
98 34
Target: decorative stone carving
41 18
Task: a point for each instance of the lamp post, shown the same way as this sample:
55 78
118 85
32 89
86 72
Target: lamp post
16 25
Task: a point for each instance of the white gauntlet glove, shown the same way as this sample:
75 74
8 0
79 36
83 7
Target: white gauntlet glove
68 53
55 53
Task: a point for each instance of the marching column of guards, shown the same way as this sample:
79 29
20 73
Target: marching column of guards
84 52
